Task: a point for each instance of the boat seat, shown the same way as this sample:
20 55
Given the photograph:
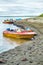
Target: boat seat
8 29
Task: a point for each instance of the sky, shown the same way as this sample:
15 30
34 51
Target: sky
21 7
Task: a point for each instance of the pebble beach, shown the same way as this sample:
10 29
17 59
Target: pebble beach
29 53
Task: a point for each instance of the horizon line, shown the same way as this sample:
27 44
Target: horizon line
16 16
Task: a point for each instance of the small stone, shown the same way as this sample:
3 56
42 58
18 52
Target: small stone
12 62
2 61
30 61
24 59
29 48
17 64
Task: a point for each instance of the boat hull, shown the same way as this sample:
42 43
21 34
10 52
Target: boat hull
17 35
8 22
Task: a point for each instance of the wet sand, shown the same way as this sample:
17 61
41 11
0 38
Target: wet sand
29 53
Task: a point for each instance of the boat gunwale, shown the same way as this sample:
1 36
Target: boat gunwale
19 33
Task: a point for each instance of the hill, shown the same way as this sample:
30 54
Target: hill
41 15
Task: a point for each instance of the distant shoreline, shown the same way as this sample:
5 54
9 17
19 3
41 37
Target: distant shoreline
17 16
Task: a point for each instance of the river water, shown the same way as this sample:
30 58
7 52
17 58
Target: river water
8 43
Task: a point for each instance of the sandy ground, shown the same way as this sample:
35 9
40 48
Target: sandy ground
30 53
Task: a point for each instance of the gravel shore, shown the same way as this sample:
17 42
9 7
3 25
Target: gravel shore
30 53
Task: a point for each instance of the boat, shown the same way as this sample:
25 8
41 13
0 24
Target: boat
8 22
24 34
28 29
18 19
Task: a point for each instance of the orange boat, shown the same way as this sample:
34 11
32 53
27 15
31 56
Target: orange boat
8 22
13 34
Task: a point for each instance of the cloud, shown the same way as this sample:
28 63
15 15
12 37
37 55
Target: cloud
25 4
21 7
2 10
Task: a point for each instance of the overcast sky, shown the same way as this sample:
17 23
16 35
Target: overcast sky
21 7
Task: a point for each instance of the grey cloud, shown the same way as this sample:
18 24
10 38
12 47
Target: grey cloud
8 1
18 1
24 10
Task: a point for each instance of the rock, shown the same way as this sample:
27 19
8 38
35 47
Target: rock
2 61
24 59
